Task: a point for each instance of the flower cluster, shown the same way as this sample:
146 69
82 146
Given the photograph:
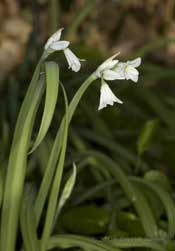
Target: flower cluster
111 69
54 44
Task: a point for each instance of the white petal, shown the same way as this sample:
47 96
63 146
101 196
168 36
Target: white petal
105 66
59 45
135 63
131 73
120 70
55 37
112 75
120 66
107 97
72 59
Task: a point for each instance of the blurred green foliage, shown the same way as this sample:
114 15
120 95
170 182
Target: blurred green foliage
128 195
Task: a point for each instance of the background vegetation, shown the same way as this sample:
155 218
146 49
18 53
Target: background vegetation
124 191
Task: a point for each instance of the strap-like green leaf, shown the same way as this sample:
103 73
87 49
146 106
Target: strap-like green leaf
1 186
166 200
51 210
52 84
28 226
69 241
17 163
136 242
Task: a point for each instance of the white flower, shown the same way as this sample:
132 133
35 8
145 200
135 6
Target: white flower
127 70
112 69
112 75
54 43
107 65
107 97
55 37
72 59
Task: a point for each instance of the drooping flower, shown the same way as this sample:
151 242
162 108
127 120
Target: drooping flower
105 72
128 70
54 44
107 97
72 59
112 69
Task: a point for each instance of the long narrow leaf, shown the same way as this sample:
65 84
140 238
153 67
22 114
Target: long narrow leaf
17 163
56 183
28 226
23 227
52 84
137 242
165 198
1 186
69 241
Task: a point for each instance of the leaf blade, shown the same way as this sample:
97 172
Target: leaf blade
52 87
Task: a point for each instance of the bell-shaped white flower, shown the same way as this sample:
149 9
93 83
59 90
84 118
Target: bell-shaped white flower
72 59
107 65
54 44
128 70
107 97
112 69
